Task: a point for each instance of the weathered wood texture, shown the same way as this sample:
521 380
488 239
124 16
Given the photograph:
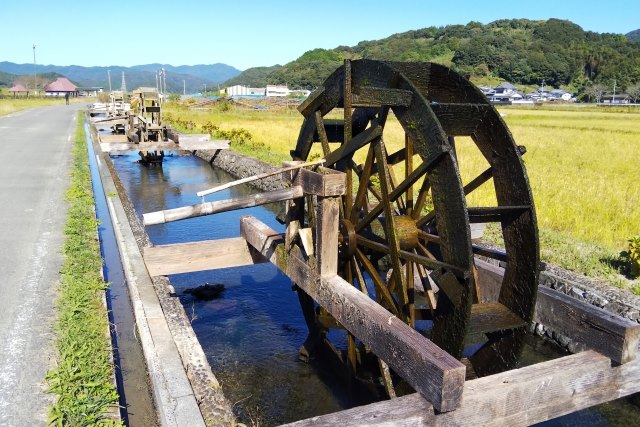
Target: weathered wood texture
198 256
519 397
208 208
599 330
427 368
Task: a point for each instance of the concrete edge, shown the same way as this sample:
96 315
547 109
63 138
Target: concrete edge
176 404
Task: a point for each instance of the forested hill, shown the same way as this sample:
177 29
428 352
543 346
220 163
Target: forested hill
520 51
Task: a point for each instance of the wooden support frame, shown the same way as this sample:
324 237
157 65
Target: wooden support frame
427 368
520 397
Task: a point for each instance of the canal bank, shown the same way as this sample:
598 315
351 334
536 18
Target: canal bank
185 390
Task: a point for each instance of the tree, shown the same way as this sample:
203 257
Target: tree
596 90
634 92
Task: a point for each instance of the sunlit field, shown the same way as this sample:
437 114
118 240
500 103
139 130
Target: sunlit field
583 166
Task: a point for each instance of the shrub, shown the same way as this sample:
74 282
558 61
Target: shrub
633 256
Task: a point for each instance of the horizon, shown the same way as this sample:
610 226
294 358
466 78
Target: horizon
276 26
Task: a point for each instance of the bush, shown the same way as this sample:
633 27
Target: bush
633 256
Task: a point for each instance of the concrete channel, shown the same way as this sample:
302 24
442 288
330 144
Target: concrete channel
185 391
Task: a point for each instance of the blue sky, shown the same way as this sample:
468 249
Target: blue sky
249 33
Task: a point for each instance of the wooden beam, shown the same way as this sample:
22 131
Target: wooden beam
208 208
354 144
427 368
599 330
520 397
460 119
198 256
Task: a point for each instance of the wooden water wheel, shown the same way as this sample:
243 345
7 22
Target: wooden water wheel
405 235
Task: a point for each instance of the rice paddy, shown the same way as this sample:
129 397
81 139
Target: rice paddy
583 166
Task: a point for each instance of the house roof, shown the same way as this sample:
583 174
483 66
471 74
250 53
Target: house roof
18 87
62 84
506 85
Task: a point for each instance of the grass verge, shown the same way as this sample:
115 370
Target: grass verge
82 381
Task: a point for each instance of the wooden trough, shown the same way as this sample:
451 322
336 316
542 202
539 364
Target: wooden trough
340 223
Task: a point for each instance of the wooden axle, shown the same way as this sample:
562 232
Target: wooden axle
208 208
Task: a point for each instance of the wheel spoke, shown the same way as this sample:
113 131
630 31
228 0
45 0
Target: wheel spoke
322 133
376 211
381 287
422 198
363 186
478 181
408 169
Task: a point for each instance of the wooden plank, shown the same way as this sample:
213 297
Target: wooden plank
520 397
598 329
491 317
427 368
327 226
368 96
209 208
460 119
108 146
198 256
495 213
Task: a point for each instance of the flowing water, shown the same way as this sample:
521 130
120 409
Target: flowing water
251 335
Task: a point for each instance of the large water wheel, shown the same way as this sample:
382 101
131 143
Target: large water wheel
405 236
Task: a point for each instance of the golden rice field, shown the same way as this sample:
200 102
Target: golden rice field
583 166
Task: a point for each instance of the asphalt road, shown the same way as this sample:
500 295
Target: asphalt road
34 174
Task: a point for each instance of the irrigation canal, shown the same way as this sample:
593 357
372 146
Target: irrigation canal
252 333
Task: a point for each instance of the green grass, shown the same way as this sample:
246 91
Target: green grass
582 165
82 380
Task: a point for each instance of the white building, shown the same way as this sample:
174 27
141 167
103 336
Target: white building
239 90
277 90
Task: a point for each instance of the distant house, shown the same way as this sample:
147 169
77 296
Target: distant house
90 90
60 87
19 89
619 98
505 88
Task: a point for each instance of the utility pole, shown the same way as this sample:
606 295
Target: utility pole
35 82
164 81
613 100
109 75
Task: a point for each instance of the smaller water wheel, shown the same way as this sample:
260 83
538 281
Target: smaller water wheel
405 235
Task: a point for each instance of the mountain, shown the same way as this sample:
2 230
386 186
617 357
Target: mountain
253 77
526 52
215 73
633 36
141 75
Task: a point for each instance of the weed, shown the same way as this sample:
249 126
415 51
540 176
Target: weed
82 380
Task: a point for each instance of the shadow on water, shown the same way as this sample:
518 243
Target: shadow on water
251 335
